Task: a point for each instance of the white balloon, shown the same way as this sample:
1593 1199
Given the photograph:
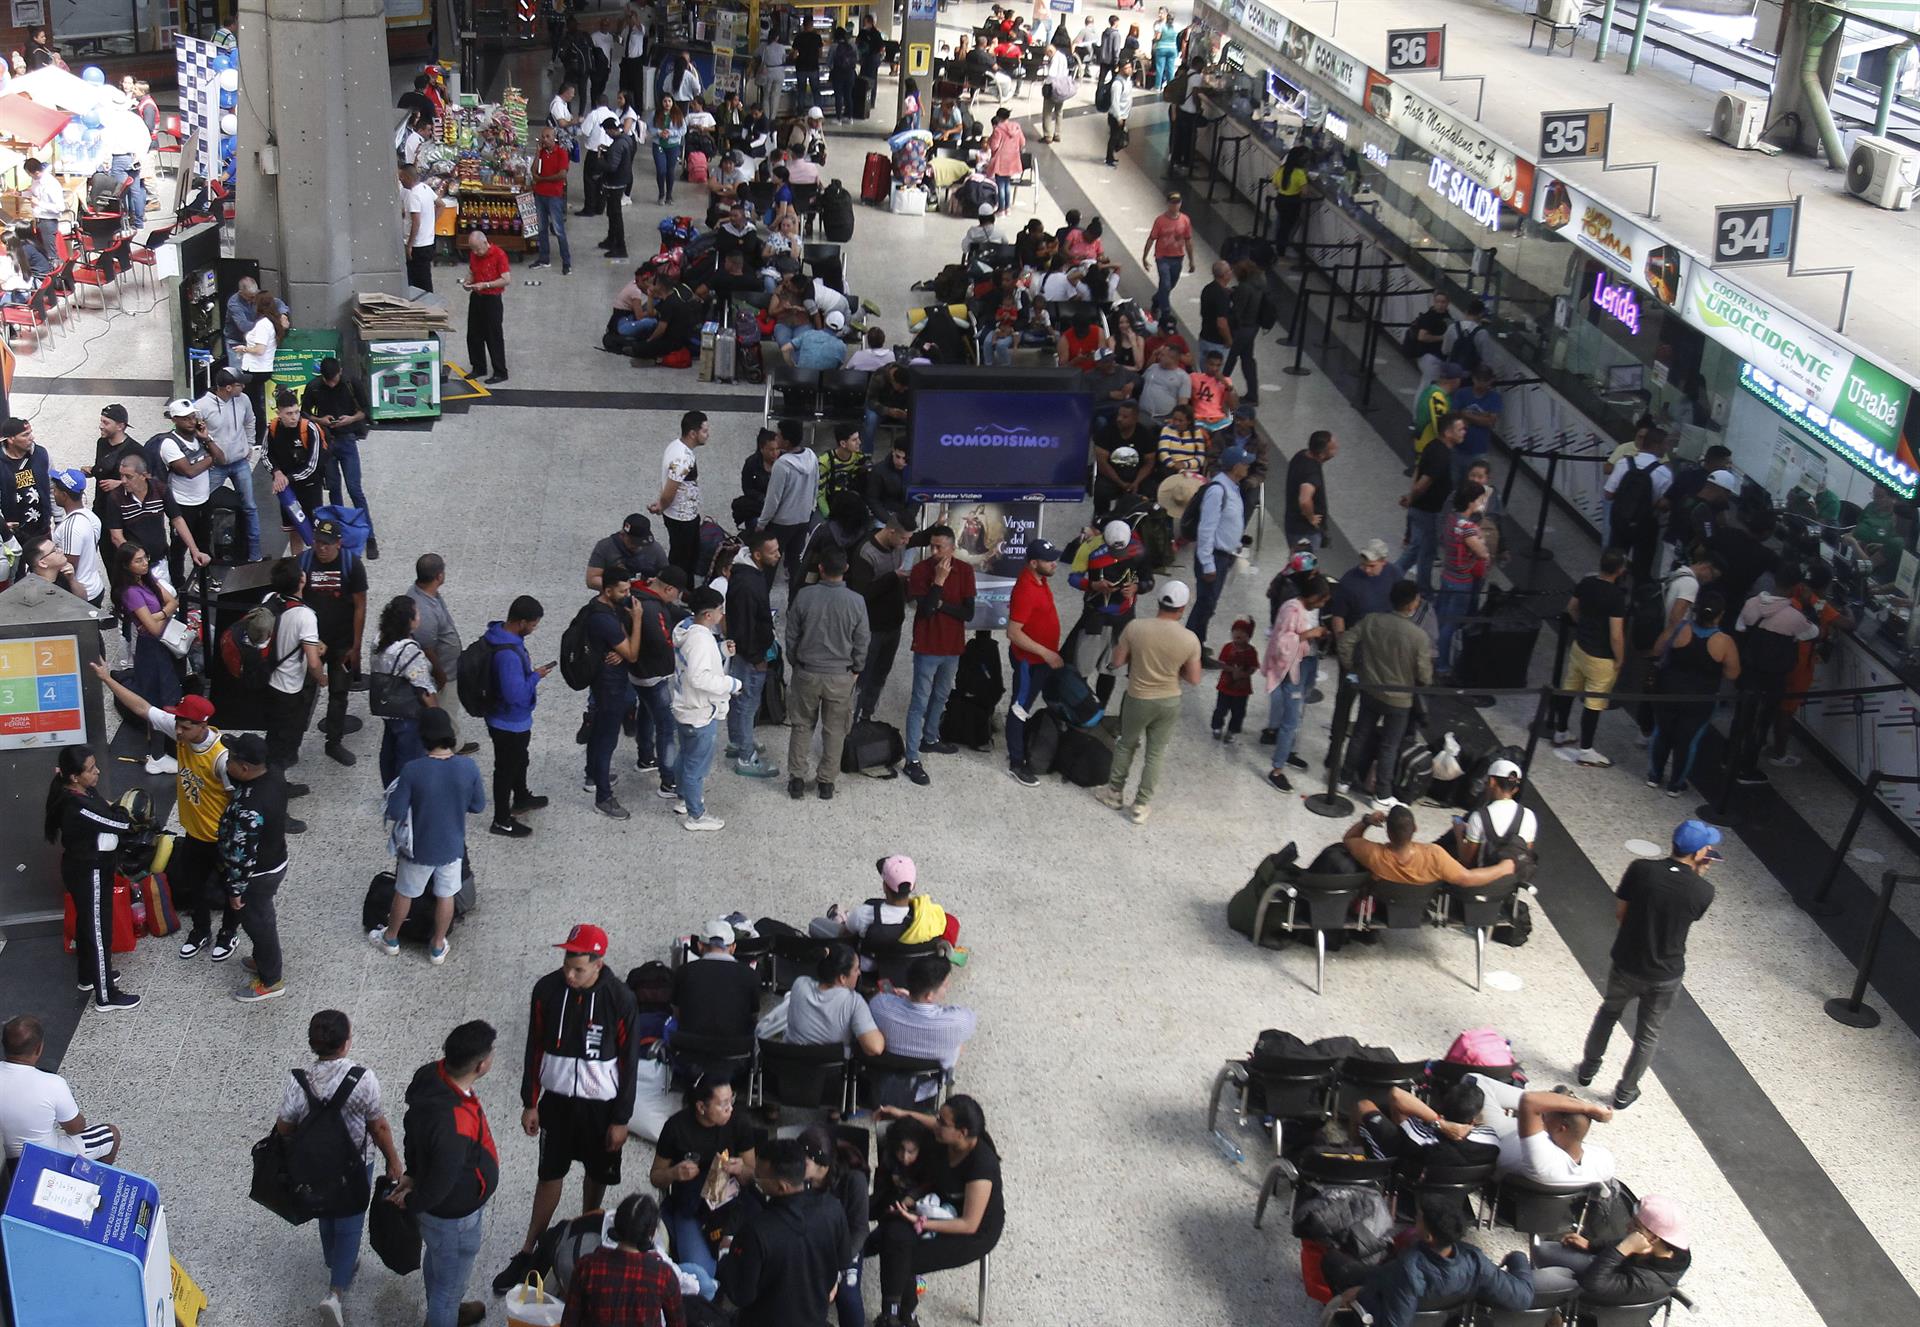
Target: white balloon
229 80
228 124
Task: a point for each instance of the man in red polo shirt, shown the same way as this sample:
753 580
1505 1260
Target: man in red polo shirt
940 587
550 198
1033 639
486 317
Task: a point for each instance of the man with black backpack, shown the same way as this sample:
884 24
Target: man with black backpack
1635 490
599 644
509 691
333 1121
337 593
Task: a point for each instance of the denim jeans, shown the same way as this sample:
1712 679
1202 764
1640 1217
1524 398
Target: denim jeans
603 734
849 1306
746 705
1168 271
553 222
124 167
399 743
1003 186
688 1237
666 164
241 473
1206 594
1029 684
343 473
932 680
1289 703
696 758
1163 67
1453 605
448 1247
1423 534
340 1244
656 734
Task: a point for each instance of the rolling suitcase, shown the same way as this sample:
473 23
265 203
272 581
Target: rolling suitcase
876 179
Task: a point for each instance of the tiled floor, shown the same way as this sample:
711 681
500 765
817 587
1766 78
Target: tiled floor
1108 986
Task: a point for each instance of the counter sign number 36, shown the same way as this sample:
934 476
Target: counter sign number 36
1754 233
1416 50
1575 135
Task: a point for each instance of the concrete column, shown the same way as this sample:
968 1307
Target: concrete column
318 203
918 30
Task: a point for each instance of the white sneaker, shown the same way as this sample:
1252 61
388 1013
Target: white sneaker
1386 803
704 822
162 765
1139 812
377 937
1590 757
1787 761
678 808
330 1306
1563 738
439 956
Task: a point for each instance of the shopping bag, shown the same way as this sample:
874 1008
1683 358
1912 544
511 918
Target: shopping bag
529 1304
124 936
393 1232
271 1187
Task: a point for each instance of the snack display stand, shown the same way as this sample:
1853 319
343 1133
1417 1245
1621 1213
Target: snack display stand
481 155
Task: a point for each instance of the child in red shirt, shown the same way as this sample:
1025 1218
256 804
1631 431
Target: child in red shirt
1238 663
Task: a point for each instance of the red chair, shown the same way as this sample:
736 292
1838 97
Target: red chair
168 136
102 270
35 314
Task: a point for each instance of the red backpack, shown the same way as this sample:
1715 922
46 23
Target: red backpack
1482 1047
246 647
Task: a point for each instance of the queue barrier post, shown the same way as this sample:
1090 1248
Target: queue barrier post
1853 1010
1822 903
1298 332
1330 803
1539 552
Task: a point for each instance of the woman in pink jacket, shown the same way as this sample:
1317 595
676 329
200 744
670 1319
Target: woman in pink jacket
1289 645
1004 145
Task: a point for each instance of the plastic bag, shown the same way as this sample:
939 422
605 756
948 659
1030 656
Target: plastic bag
529 1304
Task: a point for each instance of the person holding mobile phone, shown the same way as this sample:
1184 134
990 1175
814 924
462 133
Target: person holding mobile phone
511 694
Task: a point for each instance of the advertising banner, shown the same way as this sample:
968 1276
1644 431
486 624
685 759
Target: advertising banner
1639 255
1858 400
990 537
1439 130
1000 444
404 379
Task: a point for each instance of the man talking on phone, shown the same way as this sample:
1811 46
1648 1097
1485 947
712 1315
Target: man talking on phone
512 692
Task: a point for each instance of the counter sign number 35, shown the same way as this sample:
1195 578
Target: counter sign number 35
1575 135
1746 233
1416 50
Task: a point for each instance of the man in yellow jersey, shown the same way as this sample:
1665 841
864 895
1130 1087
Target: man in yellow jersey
1434 402
200 752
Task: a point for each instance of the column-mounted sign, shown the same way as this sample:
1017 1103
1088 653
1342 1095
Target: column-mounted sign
1749 233
1575 135
1416 50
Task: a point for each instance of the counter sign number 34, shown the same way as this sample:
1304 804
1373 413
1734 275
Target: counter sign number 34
1416 50
1575 135
1745 233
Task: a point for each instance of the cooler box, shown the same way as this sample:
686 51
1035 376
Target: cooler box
85 1243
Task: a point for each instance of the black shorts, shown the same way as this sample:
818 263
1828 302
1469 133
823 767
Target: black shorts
574 1130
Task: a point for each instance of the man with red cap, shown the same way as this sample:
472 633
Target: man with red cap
200 761
576 1082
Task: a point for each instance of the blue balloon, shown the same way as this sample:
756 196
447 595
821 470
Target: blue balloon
91 120
93 75
229 100
224 60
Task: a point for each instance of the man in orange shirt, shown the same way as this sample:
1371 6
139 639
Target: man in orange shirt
487 277
1169 242
1213 398
1401 861
550 164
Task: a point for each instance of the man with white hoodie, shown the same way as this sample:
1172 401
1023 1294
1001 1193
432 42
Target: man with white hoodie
702 688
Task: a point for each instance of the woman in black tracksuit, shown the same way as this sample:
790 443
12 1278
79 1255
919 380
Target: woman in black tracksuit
88 828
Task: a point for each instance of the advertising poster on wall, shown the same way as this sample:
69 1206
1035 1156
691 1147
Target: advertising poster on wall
990 537
1643 258
1439 130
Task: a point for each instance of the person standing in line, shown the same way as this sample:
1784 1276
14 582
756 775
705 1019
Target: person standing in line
1464 559
333 401
1169 243
1033 643
827 639
873 571
296 450
1216 548
336 590
577 1080
512 698
1288 667
942 590
298 670
702 691
1305 514
436 633
453 1168
399 660
185 459
756 649
550 162
659 603
419 210
1216 314
1427 499
87 828
1159 655
433 796
614 628
1598 607
793 489
330 1038
1657 904
1384 650
1119 109
253 861
1249 298
679 500
231 431
76 532
488 273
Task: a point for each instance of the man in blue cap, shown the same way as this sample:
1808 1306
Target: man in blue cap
1033 641
1658 903
1216 545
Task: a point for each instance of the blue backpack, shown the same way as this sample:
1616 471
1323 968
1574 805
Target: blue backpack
1069 696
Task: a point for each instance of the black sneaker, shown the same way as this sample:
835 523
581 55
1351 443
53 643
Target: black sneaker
116 1001
1624 1097
531 802
1278 780
113 976
372 550
296 826
1751 779
194 943
1268 736
516 1271
796 788
297 790
341 755
1584 1073
223 945
646 766
511 829
941 747
915 773
825 790
1024 775
1296 762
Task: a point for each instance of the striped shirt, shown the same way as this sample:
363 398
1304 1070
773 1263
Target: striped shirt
923 1031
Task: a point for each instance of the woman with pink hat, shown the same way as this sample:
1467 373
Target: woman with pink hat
1644 1266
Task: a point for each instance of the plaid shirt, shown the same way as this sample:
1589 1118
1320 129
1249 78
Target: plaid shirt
612 1285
